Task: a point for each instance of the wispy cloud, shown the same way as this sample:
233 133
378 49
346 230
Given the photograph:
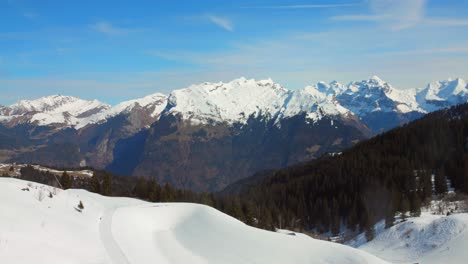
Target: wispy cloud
221 22
360 18
447 50
393 14
400 14
446 22
299 6
107 28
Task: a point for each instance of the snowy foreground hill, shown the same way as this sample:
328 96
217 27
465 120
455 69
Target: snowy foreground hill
425 239
40 224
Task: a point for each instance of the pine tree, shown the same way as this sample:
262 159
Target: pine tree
425 184
142 188
465 174
154 191
440 182
390 215
370 233
66 181
415 205
94 184
167 194
404 207
107 184
352 218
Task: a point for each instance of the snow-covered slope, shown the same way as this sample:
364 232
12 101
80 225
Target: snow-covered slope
154 104
376 95
75 112
425 239
443 94
35 228
55 109
240 99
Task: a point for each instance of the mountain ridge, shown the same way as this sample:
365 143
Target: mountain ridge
235 101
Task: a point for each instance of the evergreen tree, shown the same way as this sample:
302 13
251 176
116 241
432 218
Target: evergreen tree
404 207
94 184
142 188
440 182
154 191
415 205
370 233
107 184
390 215
465 174
66 181
425 184
167 194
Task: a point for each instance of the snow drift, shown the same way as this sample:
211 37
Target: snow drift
40 224
425 239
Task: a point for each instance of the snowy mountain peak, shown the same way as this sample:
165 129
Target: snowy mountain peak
376 95
240 99
333 87
376 79
153 105
373 83
43 104
54 109
443 93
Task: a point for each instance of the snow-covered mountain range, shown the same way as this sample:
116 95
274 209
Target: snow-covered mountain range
209 135
240 99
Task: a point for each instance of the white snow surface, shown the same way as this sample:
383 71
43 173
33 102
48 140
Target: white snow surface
35 228
425 239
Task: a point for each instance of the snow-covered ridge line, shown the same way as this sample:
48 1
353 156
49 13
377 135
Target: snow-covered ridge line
42 224
156 103
242 98
237 100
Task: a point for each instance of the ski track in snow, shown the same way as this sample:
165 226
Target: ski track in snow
115 253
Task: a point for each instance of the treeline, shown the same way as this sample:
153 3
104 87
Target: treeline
108 184
148 189
373 180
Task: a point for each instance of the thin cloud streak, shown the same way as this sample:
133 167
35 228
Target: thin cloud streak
221 22
359 18
393 14
446 22
299 6
449 50
107 28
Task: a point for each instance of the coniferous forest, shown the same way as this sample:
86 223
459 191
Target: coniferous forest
371 181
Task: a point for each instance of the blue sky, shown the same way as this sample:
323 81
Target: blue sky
118 50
